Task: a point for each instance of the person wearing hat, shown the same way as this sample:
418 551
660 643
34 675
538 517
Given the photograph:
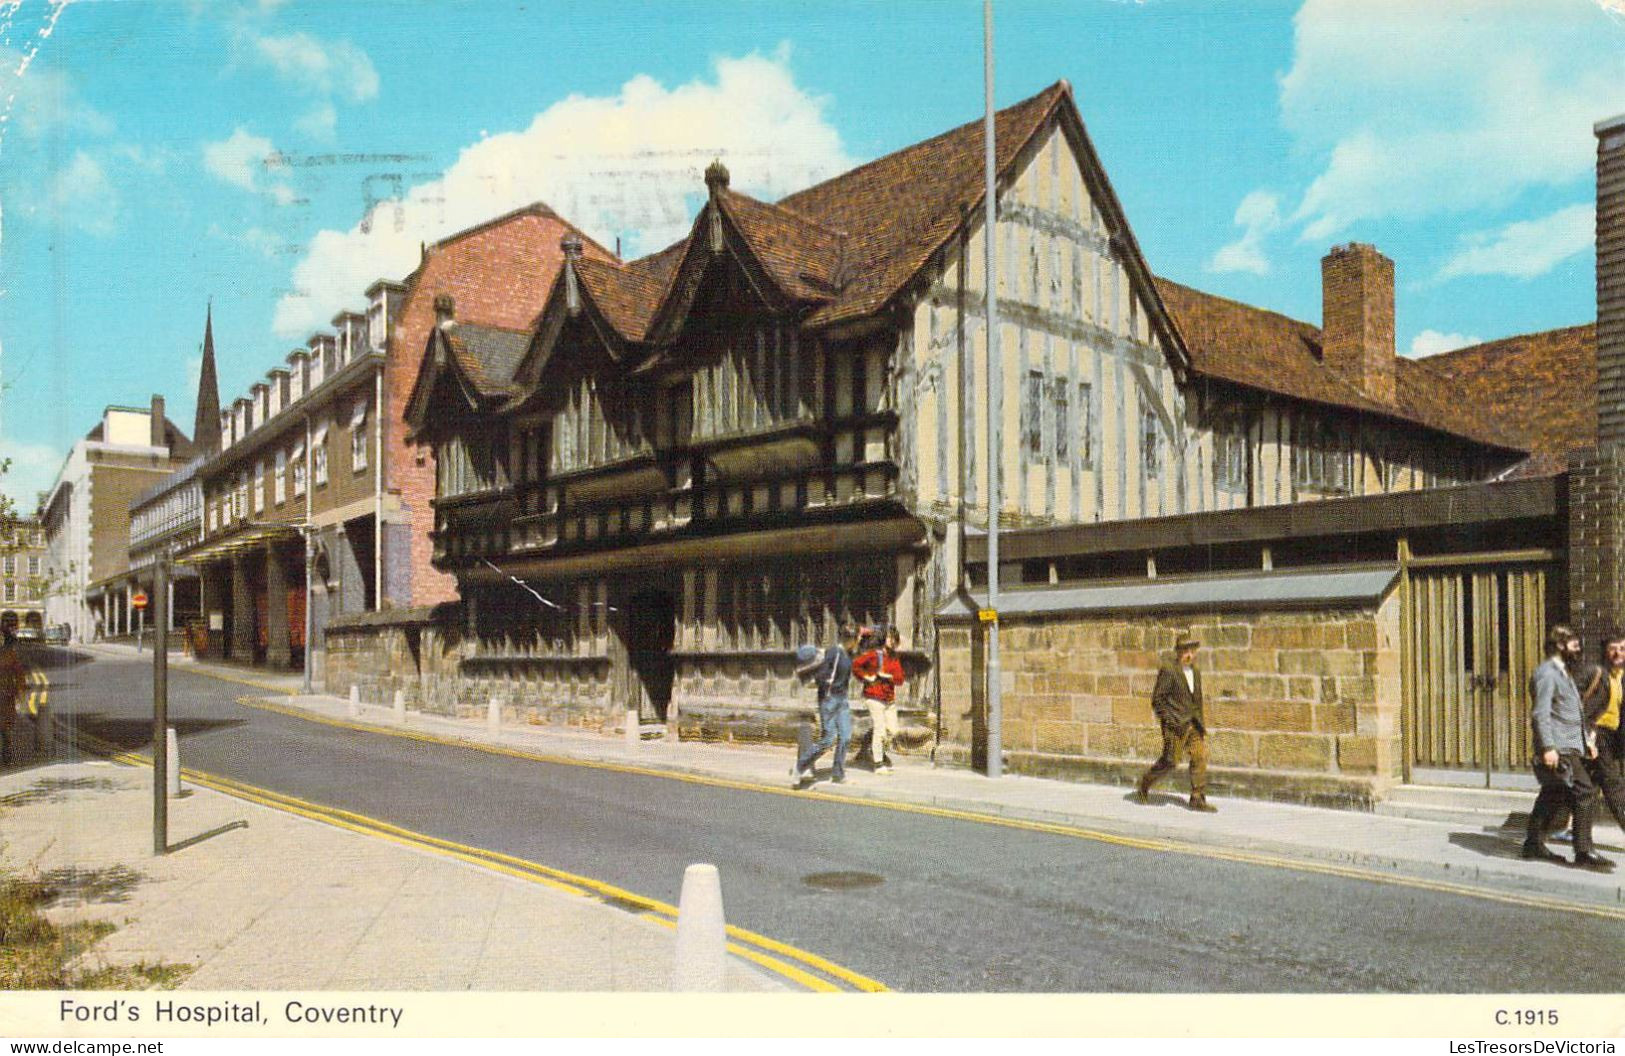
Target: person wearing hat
1177 702
831 672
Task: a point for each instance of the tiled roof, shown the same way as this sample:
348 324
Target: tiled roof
1540 388
897 210
1265 350
851 241
628 294
487 355
803 257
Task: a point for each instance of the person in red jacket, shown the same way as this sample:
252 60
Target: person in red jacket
881 673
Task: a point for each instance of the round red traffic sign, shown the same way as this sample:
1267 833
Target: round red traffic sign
139 601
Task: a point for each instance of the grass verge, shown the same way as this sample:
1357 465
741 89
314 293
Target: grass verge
36 954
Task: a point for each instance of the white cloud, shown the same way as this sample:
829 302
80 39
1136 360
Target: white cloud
1258 214
626 165
80 196
1422 109
1432 343
36 100
320 123
258 239
250 162
33 469
1528 248
336 68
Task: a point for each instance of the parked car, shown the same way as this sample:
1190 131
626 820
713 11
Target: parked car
30 634
57 635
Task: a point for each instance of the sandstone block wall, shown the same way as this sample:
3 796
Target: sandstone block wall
1300 705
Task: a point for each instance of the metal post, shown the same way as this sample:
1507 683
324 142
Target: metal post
160 709
310 558
995 386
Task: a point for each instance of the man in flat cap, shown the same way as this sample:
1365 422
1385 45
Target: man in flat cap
1177 702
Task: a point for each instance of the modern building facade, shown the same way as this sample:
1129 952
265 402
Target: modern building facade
86 517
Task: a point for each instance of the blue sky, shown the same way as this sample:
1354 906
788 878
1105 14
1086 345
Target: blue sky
279 155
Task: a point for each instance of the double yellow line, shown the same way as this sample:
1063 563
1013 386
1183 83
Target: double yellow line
795 965
1146 843
39 693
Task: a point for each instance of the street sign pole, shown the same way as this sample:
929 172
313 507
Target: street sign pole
995 411
160 707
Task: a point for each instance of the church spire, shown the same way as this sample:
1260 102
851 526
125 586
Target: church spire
206 430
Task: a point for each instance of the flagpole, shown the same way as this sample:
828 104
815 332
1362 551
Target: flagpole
995 385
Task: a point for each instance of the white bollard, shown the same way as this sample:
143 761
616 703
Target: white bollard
493 714
173 748
702 937
355 700
400 706
634 730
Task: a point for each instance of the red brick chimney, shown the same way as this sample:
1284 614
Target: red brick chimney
1357 317
158 436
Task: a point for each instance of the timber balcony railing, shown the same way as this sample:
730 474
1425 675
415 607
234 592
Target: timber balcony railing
762 480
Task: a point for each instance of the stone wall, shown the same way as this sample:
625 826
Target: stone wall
425 654
1300 705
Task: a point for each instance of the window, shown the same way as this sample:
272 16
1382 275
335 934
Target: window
279 483
34 566
860 383
259 486
358 436
1032 415
1063 420
463 466
318 455
1150 439
1393 473
298 461
239 508
1086 425
1230 455
1320 462
11 591
11 565
213 518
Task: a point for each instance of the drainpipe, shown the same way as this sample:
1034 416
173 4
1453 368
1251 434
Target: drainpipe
378 491
310 561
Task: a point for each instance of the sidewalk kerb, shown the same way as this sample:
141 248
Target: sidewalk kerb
1549 885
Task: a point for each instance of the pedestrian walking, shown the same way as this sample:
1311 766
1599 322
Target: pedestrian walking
1177 702
831 672
13 680
1557 724
881 673
1606 758
1588 679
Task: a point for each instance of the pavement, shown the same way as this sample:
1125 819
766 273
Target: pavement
425 921
369 913
1478 854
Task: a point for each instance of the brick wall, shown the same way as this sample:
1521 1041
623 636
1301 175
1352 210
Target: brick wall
1597 475
1300 705
1357 317
499 275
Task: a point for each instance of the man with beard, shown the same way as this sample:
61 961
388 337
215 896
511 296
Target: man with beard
1557 723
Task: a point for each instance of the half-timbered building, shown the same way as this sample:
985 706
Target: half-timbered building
701 458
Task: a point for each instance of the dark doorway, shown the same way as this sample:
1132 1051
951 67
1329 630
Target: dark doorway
651 630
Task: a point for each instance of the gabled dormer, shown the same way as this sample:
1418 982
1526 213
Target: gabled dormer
788 263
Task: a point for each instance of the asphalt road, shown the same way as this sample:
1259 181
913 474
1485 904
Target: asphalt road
942 905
